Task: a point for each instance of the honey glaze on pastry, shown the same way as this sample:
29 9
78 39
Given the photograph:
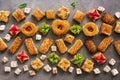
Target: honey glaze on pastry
29 29
90 45
60 27
90 29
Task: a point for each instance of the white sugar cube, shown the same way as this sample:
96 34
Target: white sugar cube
14 64
7 69
112 61
101 9
54 70
5 59
97 71
32 72
25 68
117 14
53 48
47 68
106 68
43 57
114 72
7 37
2 27
71 69
38 37
18 71
27 10
78 71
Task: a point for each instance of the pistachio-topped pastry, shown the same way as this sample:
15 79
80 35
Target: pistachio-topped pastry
44 28
53 58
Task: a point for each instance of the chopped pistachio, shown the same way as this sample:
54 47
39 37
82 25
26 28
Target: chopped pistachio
53 58
75 29
78 59
44 28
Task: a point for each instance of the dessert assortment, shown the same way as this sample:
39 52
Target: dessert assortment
59 27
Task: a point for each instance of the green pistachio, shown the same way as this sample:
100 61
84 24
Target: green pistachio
75 29
53 58
78 59
73 4
44 28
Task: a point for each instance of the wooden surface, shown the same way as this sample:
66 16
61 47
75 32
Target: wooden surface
84 5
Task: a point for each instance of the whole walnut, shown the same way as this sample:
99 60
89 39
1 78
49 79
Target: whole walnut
108 18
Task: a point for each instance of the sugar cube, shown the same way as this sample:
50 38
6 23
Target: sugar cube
78 71
43 57
27 10
14 64
2 27
71 69
7 37
47 68
54 70
7 69
38 37
53 48
18 71
32 72
97 71
25 68
112 61
101 9
114 72
106 68
5 59
117 14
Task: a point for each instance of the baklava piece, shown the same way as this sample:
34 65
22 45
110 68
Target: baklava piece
31 46
106 29
50 14
79 16
37 64
105 43
15 45
44 28
117 27
53 58
19 15
117 46
76 29
78 59
108 18
4 16
99 57
90 45
22 56
63 12
29 29
75 47
69 38
3 45
88 65
61 46
90 29
93 14
44 47
38 14
14 30
64 64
